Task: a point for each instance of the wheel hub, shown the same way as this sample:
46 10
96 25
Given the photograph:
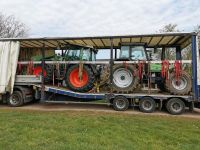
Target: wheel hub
147 105
176 106
76 81
120 103
122 77
14 99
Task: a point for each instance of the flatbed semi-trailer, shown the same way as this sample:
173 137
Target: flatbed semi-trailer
20 89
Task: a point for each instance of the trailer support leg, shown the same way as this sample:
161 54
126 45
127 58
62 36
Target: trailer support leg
191 106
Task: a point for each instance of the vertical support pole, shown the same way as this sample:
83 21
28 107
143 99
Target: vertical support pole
43 66
115 53
163 53
198 64
178 53
62 52
194 68
111 64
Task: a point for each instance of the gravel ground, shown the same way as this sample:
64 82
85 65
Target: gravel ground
94 107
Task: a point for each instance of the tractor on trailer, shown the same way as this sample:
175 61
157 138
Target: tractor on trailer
30 68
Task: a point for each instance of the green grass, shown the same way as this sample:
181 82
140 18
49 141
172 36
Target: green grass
89 130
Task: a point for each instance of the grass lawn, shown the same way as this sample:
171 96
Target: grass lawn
20 129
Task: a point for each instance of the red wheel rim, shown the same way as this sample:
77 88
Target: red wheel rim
38 71
74 78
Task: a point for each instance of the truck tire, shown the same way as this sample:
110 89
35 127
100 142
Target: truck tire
184 85
120 103
16 99
125 79
147 105
175 106
73 81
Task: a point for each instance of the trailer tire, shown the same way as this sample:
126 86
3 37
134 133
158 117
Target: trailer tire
16 99
125 78
120 103
175 106
75 84
184 87
147 105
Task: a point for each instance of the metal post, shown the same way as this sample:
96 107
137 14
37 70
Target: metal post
178 53
111 64
43 65
62 54
194 68
115 53
163 53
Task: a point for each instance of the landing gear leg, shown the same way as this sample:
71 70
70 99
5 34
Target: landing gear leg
191 106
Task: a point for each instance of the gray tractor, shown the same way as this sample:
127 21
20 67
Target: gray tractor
126 76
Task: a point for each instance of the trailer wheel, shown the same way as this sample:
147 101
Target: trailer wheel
124 78
183 86
120 103
175 106
15 99
147 105
76 84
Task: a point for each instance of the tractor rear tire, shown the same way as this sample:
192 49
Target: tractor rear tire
125 78
184 87
80 85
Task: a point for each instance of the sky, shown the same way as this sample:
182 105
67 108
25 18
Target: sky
101 17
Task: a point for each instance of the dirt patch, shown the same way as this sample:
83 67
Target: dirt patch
94 108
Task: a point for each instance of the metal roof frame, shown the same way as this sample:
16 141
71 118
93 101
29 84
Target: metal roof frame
104 42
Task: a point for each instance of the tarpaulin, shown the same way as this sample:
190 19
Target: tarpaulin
9 52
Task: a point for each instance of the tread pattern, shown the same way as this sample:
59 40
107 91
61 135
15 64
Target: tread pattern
170 107
172 90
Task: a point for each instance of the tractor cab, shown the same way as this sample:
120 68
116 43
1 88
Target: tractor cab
138 51
77 52
132 51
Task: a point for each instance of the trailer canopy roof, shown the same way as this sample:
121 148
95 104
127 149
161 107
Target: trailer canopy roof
104 42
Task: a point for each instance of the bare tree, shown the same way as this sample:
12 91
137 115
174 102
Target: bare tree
11 27
169 28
